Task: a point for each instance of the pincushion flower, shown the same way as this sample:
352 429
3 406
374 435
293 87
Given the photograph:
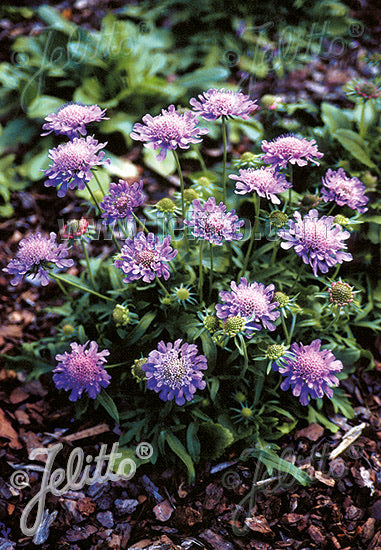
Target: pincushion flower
214 104
73 162
252 301
71 119
145 257
211 222
169 131
120 201
290 149
319 242
266 182
344 190
82 370
174 371
309 371
35 256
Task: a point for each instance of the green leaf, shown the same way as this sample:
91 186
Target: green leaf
164 167
272 461
141 327
179 449
214 387
108 404
316 417
353 143
334 118
193 442
341 403
210 349
43 105
53 18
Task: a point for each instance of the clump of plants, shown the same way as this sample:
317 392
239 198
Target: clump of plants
224 314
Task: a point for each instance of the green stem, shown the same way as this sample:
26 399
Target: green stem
87 262
211 271
336 271
98 182
297 276
287 336
123 230
362 120
331 209
292 327
292 183
178 166
140 222
79 287
245 356
63 288
201 159
96 202
162 286
252 236
200 272
273 256
224 137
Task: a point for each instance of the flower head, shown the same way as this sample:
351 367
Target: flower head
252 301
343 190
266 182
289 148
309 371
211 222
71 119
319 242
36 254
145 257
363 90
120 201
72 164
278 218
184 295
74 229
169 130
214 104
82 370
341 294
174 371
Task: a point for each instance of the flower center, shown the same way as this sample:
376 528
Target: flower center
315 235
145 257
310 366
174 372
290 146
34 251
249 302
72 156
170 127
122 205
72 115
82 368
221 103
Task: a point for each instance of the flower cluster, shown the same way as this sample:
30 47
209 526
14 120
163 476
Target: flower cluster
343 190
169 131
309 371
174 371
211 222
74 229
120 201
214 104
72 163
145 257
71 119
82 370
290 149
266 182
319 242
35 256
252 301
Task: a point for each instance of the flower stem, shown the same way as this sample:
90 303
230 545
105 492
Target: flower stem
286 334
224 137
80 287
211 271
98 182
87 262
178 166
123 230
336 271
252 236
362 120
201 159
200 273
162 286
331 209
62 288
140 222
96 202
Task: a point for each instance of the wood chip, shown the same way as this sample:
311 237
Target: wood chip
313 432
163 510
90 432
7 431
348 439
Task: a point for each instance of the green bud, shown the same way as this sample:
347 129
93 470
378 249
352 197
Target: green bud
67 330
282 298
341 294
340 219
121 316
166 205
137 371
269 99
182 293
278 218
233 325
191 194
275 351
211 323
248 157
240 397
246 412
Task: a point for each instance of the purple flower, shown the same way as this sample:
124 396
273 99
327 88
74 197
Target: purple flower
121 200
309 371
211 222
173 371
252 301
266 182
214 104
35 256
289 148
145 257
71 119
344 190
169 130
318 241
72 164
82 370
